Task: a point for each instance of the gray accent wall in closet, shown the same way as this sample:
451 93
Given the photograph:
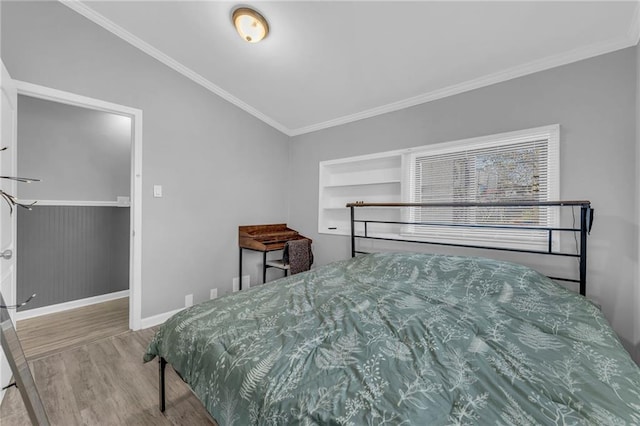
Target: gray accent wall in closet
58 256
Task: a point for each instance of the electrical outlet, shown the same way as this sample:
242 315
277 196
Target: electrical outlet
188 300
246 282
213 294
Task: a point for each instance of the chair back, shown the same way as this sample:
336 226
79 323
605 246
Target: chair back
297 254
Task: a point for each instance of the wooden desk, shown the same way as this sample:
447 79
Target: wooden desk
264 238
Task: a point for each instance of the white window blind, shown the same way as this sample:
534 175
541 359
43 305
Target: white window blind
519 166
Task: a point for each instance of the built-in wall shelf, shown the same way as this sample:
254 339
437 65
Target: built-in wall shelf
371 178
386 181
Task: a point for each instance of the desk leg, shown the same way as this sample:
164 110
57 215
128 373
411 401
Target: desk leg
240 271
264 267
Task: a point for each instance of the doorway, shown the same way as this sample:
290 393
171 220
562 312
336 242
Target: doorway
81 192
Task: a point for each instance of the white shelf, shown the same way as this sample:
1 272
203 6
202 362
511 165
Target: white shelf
382 182
364 177
346 209
373 178
338 231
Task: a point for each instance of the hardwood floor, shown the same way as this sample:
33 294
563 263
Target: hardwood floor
48 334
104 382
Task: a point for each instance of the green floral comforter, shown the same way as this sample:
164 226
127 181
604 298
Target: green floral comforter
404 338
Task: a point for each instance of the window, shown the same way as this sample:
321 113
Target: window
517 166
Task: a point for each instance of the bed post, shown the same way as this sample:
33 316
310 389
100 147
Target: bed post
585 220
162 363
353 233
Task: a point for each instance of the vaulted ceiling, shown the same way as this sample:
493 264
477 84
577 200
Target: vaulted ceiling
326 63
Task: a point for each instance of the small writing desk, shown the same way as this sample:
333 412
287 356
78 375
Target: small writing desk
264 238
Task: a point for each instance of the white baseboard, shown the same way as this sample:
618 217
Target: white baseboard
32 313
158 319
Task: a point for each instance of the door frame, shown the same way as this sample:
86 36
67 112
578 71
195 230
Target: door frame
135 241
10 274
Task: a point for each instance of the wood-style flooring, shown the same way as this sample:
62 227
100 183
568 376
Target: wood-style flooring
48 334
104 382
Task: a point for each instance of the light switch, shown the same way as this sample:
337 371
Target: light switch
157 191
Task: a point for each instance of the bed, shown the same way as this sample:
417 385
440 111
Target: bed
403 338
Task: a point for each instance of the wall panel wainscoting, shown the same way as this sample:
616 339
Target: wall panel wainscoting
66 253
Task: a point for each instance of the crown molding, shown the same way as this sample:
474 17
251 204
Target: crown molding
92 15
631 39
488 80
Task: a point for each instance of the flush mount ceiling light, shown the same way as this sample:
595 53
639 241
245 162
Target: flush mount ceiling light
251 26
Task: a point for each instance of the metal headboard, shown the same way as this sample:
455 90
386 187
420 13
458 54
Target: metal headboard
586 221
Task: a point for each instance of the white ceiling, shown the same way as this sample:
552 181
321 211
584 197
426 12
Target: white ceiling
328 63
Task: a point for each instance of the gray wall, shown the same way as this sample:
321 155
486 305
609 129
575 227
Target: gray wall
637 298
219 166
592 102
87 152
58 258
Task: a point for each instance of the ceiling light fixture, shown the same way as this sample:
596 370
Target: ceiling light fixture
251 26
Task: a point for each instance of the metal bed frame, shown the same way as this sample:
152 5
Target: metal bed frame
586 221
